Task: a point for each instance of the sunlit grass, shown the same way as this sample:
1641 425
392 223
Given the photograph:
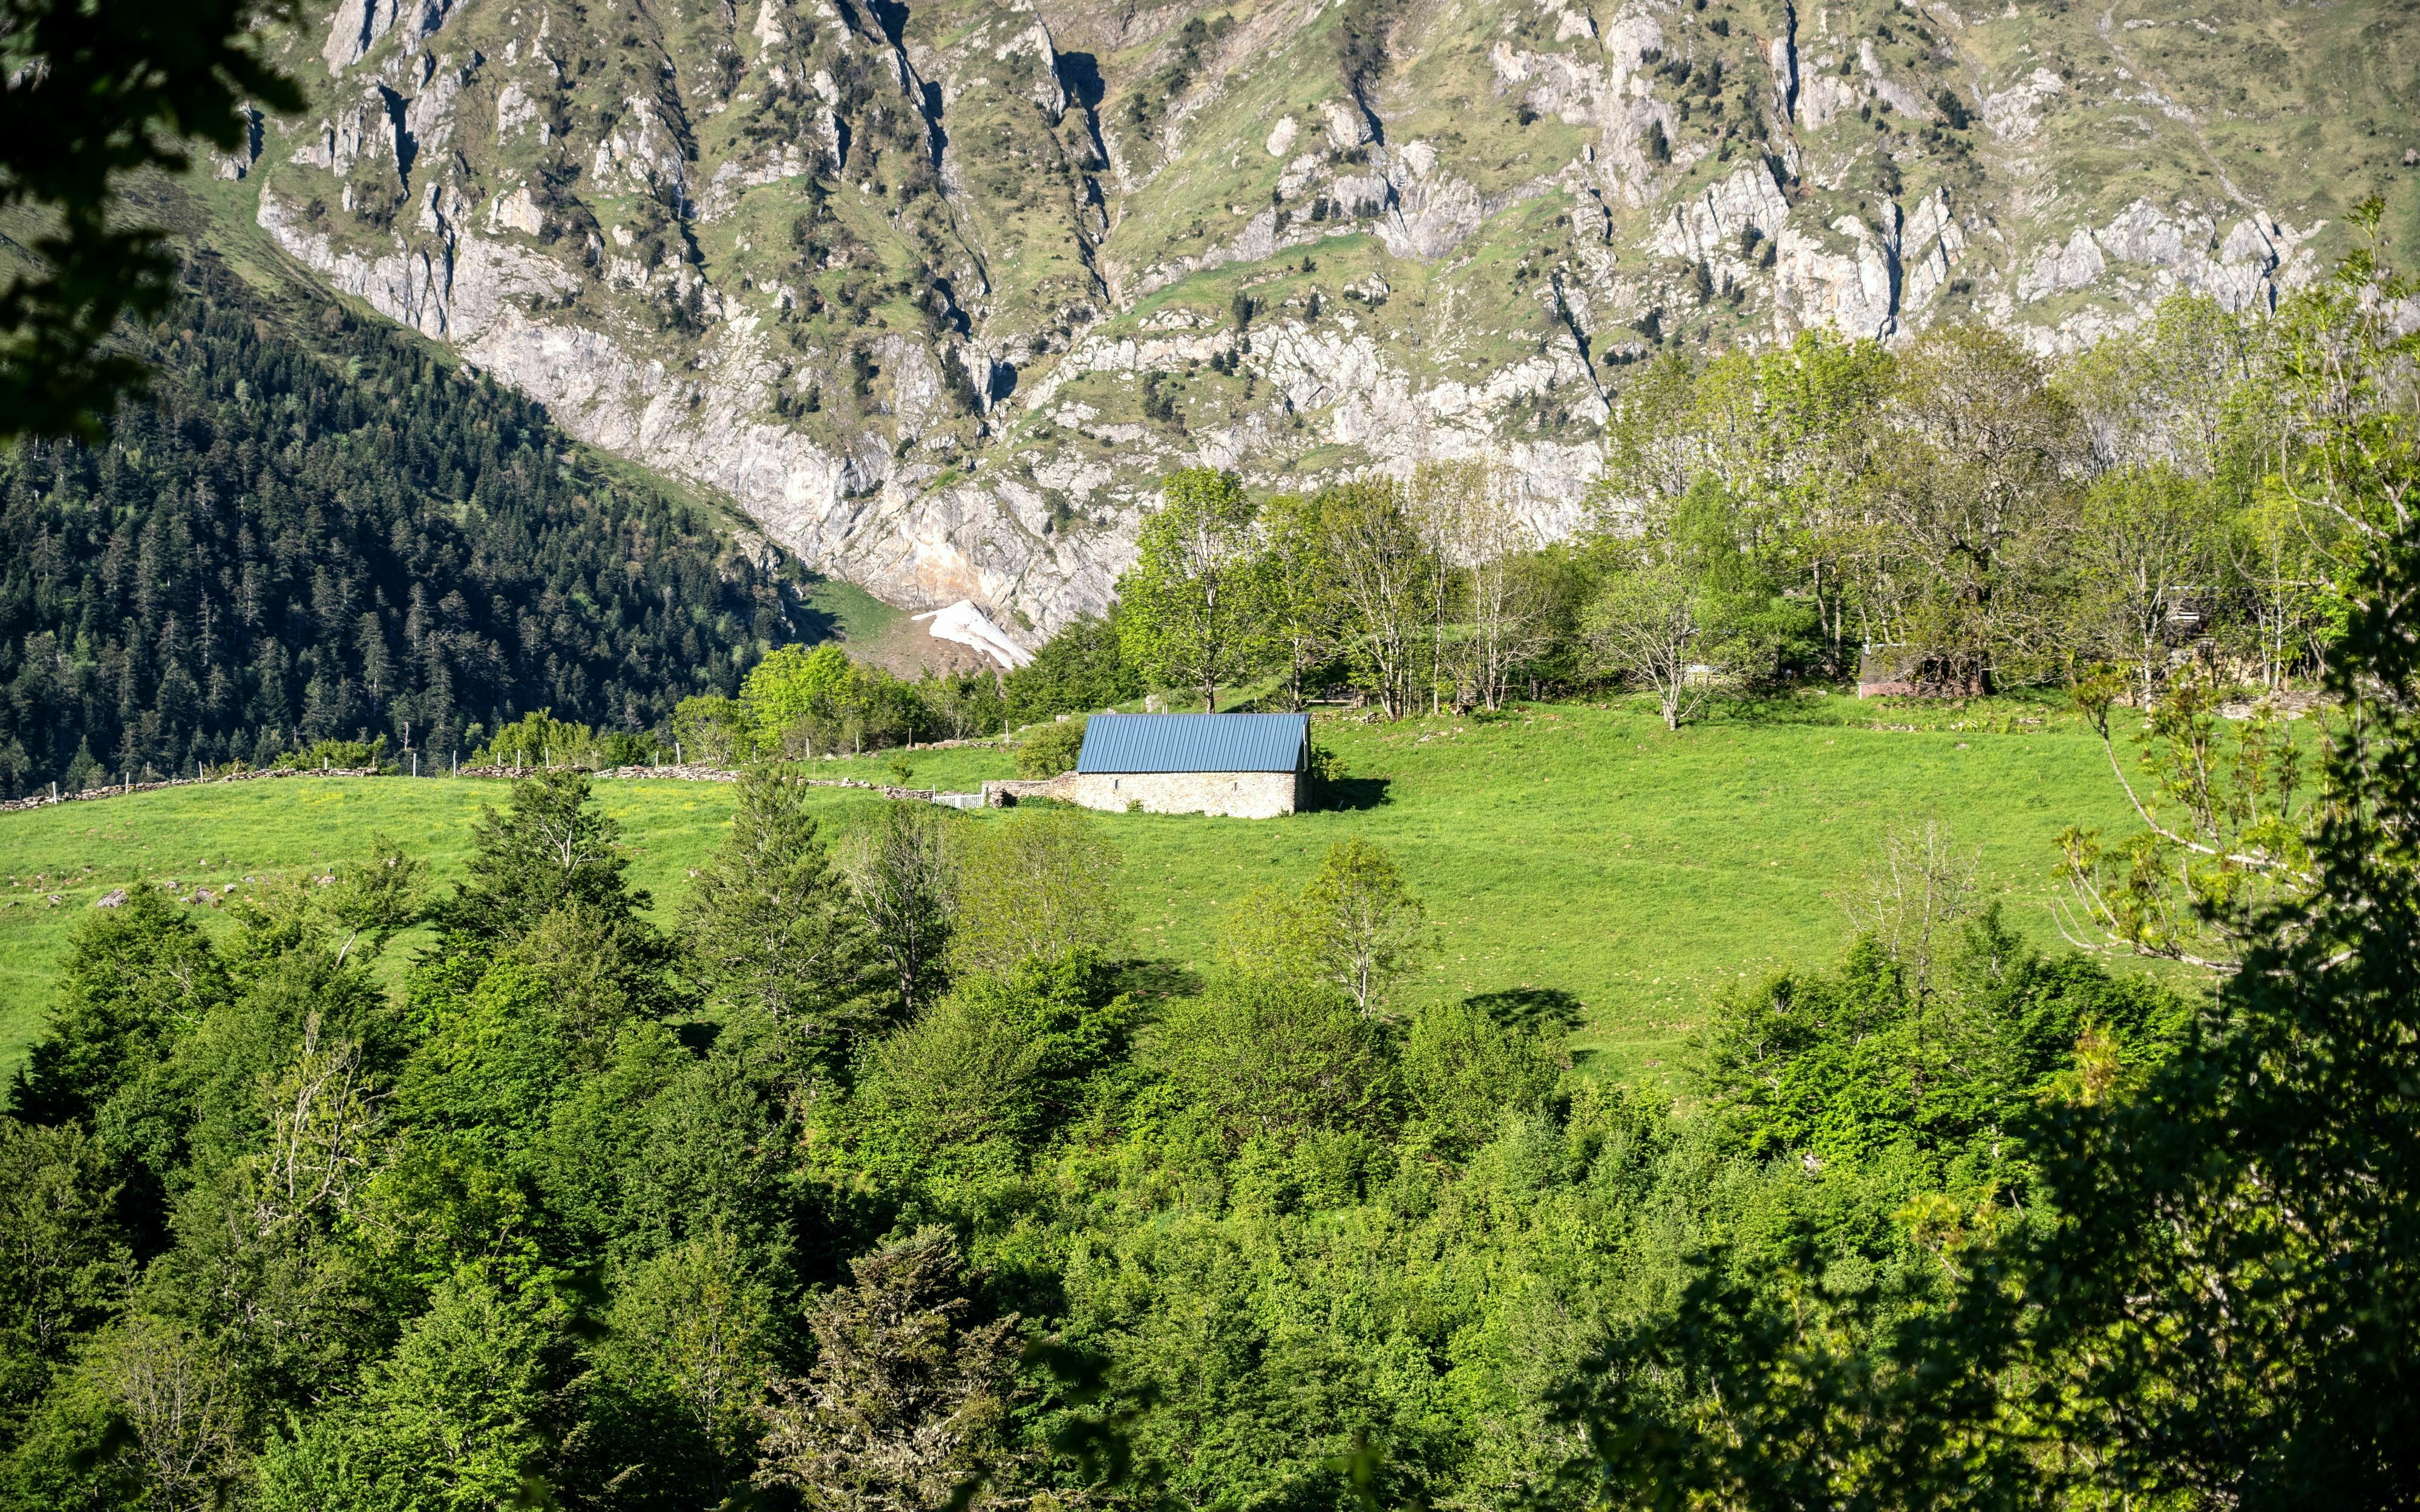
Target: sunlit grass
1575 848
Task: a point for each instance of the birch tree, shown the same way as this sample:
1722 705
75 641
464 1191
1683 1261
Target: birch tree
1644 627
1502 595
1381 567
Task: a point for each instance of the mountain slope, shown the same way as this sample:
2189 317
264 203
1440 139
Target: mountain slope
293 540
937 291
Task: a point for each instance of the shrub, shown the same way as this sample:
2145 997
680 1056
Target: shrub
1081 669
350 755
1051 749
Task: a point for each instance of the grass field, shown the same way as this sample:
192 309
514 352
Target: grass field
1562 846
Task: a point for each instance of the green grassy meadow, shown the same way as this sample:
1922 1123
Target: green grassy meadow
1579 847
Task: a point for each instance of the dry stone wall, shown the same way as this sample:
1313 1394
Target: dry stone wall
1225 795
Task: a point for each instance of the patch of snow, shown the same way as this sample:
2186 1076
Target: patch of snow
970 626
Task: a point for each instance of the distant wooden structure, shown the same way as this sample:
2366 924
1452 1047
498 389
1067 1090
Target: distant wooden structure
1902 671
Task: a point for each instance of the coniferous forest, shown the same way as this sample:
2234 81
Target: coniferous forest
293 540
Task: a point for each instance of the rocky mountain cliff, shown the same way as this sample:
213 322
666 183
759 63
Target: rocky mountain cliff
936 291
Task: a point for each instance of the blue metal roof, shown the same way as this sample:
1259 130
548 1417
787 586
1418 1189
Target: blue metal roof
1194 743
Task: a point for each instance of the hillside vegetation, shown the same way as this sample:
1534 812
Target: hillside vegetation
1582 854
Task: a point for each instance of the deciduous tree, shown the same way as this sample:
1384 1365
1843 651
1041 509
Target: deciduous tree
1380 569
903 879
1643 625
1370 929
1035 885
1192 608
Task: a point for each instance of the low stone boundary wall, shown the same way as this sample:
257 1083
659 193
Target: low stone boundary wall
687 772
117 790
1007 793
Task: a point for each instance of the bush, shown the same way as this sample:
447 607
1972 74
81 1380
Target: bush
804 703
1081 670
1464 1072
1327 767
1051 749
714 729
350 755
1277 1058
539 739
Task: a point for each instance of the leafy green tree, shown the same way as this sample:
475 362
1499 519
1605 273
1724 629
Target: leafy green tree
1081 669
1278 1058
2229 1284
1369 927
2226 824
712 731
103 96
713 1155
1034 886
2160 395
1644 625
962 1097
793 683
1791 436
691 1344
1306 599
1191 611
552 847
769 923
1051 749
454 1419
1971 493
359 904
961 706
2146 537
132 975
1269 932
961 1086
907 1402
1846 1065
182 1411
1753 630
540 739
64 1263
1464 1071
2283 558
903 877
1381 566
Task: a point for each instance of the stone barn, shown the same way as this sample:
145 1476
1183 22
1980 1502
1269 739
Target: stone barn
1239 765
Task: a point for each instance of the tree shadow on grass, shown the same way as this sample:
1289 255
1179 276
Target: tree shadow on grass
1354 794
1153 981
1539 1010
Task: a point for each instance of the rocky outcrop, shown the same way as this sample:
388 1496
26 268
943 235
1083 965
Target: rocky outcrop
2243 271
936 295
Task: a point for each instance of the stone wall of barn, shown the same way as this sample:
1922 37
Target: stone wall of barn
1231 794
